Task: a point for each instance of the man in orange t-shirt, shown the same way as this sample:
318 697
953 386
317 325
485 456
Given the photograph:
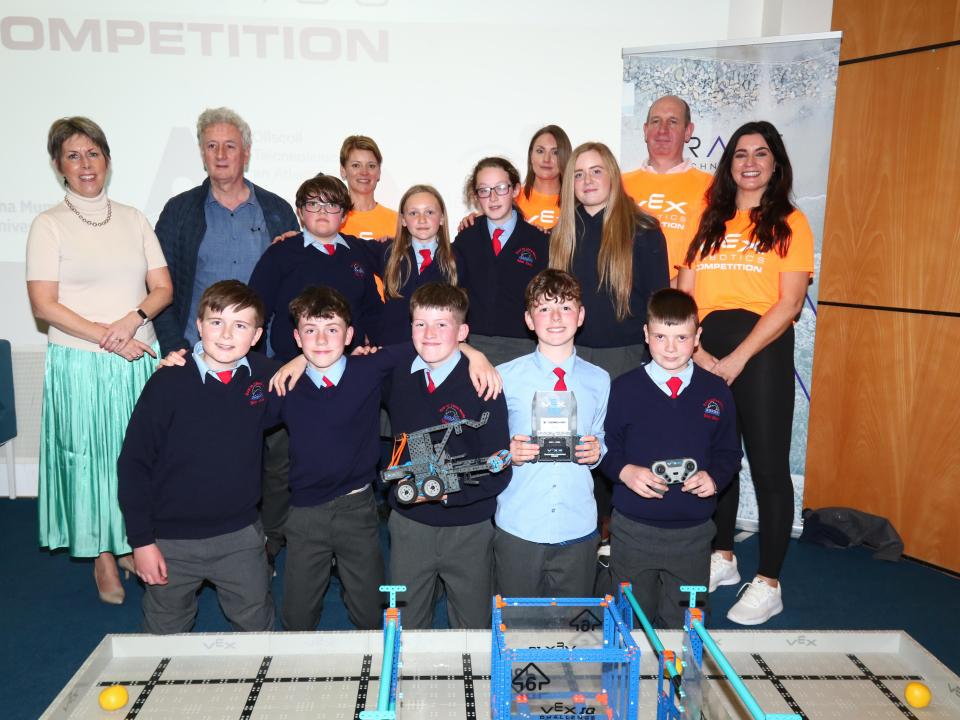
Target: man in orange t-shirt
667 186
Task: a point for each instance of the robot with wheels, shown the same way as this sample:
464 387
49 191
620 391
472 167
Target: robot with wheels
431 473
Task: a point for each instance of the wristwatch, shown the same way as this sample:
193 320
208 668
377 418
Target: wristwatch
144 318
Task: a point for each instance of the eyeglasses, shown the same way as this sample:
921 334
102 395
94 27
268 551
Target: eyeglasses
316 206
501 190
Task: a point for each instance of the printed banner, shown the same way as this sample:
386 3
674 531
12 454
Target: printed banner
789 81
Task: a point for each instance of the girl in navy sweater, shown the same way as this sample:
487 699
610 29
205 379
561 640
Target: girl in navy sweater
500 253
419 253
616 251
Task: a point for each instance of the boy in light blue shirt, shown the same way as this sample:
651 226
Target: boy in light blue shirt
546 539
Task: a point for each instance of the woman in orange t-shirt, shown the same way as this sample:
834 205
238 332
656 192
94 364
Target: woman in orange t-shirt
748 269
547 156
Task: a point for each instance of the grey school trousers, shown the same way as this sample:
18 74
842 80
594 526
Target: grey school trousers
531 569
345 527
430 559
236 564
657 561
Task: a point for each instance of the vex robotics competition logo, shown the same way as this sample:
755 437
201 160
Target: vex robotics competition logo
712 409
256 393
451 413
525 256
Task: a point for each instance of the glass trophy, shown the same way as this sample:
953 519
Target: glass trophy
555 425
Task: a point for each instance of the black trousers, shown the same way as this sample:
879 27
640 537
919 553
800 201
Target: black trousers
764 394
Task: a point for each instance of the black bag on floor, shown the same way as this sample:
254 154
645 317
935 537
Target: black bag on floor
841 527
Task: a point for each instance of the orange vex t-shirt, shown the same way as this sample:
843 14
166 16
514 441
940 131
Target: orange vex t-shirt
676 200
373 224
738 277
539 209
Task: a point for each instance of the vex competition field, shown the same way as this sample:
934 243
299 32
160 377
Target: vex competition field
446 674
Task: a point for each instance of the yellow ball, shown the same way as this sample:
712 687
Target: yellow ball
115 697
917 695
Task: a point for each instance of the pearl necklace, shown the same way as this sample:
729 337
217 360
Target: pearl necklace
91 223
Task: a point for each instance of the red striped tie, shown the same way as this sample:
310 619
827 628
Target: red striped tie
225 376
331 249
430 386
326 382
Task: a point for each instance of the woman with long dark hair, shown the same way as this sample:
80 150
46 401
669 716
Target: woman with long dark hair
547 156
748 268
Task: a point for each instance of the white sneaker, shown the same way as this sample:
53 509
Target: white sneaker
722 571
758 603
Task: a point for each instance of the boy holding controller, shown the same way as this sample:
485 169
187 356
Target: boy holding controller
667 410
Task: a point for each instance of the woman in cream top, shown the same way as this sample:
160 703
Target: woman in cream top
95 276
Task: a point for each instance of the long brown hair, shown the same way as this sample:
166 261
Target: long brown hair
621 220
769 218
563 155
398 268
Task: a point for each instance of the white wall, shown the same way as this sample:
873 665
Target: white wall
437 83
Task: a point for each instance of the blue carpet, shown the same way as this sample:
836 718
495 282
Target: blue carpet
51 619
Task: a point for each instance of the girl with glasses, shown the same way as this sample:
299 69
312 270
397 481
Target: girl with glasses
501 252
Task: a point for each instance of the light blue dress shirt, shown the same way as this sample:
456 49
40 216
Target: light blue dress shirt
309 239
205 370
660 376
437 374
552 502
231 246
430 245
508 227
332 373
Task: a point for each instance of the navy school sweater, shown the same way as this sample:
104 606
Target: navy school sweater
335 431
644 424
412 408
601 329
287 268
394 322
190 463
496 283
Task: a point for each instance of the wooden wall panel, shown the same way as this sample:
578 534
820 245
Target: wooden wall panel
885 424
892 224
871 27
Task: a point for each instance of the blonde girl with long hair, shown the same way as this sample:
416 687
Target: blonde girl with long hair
420 252
615 250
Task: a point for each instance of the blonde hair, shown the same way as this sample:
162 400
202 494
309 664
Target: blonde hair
621 220
398 267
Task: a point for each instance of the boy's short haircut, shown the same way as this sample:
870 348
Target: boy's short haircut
552 285
672 307
230 294
326 188
359 142
441 296
320 302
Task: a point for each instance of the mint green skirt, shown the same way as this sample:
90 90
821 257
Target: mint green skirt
87 401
